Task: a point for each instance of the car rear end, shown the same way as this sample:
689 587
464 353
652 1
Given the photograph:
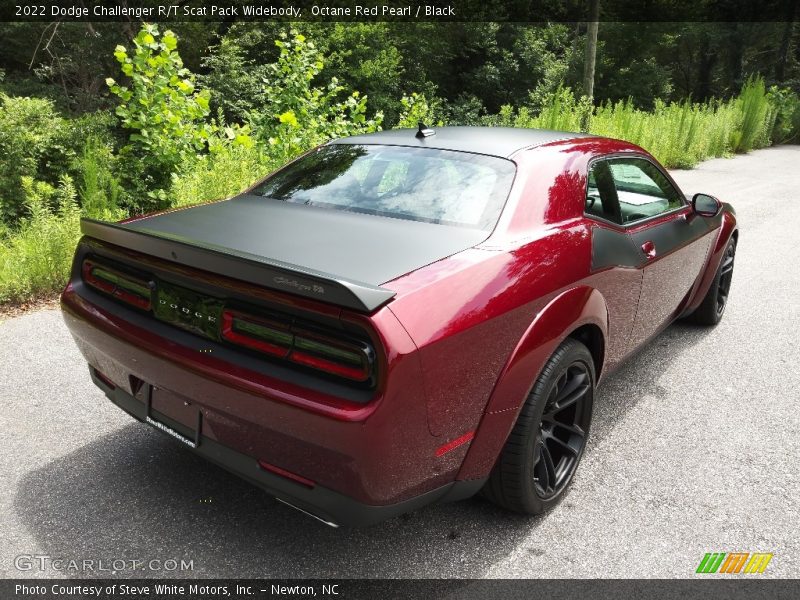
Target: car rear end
320 406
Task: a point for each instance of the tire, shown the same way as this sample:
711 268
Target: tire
713 305
523 480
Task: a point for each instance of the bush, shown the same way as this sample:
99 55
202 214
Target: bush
168 116
757 117
36 258
161 106
417 109
786 105
221 174
99 188
30 134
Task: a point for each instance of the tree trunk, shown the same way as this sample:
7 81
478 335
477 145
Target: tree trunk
783 52
589 59
706 60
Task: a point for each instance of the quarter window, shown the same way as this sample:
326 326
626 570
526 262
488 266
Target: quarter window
625 190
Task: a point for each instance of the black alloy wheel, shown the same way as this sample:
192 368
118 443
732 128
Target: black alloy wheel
713 305
562 431
725 278
547 442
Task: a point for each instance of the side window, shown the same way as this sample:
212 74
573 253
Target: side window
641 189
601 194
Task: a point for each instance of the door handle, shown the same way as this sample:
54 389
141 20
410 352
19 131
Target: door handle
649 249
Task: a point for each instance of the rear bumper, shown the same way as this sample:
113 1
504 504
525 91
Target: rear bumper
363 466
329 506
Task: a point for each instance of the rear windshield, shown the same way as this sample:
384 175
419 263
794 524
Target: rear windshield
420 184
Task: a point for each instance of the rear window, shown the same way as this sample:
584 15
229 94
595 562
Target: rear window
420 184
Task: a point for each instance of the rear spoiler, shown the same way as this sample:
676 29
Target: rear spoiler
261 271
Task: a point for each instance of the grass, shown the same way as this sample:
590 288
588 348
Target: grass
36 257
679 134
219 175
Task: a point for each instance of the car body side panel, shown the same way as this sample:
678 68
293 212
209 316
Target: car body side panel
467 324
681 241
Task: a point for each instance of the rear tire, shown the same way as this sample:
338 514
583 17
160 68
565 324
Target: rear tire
547 442
713 306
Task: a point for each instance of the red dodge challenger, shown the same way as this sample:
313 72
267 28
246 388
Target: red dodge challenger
400 318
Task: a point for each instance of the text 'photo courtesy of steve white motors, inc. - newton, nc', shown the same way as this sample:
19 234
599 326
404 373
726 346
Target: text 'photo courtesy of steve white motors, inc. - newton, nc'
222 10
193 590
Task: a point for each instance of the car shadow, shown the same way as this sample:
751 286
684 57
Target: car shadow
639 376
135 494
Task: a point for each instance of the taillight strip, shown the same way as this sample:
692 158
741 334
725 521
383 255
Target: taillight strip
356 374
125 287
235 329
298 346
342 358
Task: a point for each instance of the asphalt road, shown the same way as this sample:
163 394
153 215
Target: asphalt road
695 448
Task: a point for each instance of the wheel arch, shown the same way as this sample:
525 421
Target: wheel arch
591 336
580 313
728 230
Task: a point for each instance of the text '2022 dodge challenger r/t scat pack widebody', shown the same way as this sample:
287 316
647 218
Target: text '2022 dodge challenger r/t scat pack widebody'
400 318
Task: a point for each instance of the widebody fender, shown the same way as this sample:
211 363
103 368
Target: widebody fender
566 313
728 227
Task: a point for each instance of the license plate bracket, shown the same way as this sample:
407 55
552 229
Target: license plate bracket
149 418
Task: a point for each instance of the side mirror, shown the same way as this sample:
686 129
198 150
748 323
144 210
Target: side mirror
705 205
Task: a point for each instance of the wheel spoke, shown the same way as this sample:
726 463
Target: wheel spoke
571 427
549 468
566 401
571 385
728 260
561 443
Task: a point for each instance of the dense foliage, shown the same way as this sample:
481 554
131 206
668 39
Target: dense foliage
114 120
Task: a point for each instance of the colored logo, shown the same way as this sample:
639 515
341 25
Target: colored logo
734 562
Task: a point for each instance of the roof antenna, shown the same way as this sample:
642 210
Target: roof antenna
423 131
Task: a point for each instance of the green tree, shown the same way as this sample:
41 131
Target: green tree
161 106
296 113
167 114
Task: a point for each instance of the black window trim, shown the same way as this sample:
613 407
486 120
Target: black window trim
631 224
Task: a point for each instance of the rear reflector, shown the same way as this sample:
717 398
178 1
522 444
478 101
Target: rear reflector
105 379
129 289
286 474
453 444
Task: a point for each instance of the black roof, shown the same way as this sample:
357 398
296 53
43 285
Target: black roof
495 141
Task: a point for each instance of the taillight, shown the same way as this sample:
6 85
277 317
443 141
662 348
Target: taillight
125 287
344 360
341 358
257 334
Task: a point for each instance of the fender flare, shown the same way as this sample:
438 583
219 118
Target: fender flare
728 228
561 316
